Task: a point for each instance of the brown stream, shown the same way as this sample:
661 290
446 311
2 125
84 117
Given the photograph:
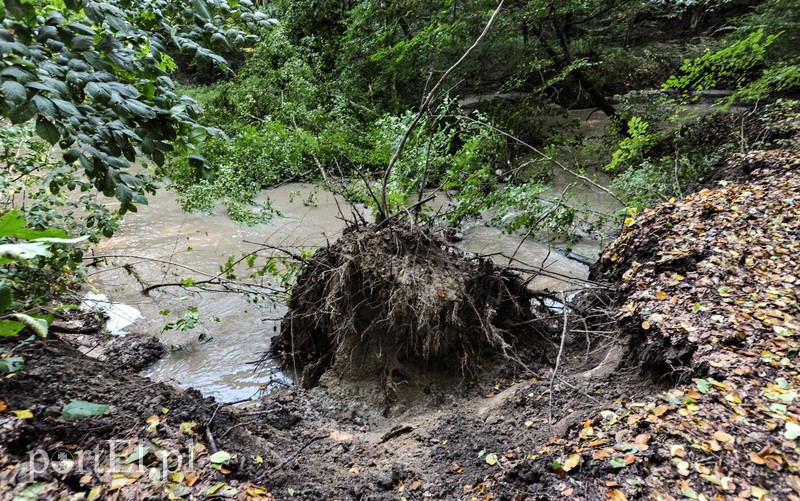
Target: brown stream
196 243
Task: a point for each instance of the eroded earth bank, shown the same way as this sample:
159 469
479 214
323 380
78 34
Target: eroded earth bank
423 373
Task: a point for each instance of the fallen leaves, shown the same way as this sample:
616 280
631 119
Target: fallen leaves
572 461
23 414
713 277
80 409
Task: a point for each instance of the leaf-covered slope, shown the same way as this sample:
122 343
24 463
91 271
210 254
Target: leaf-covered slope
713 276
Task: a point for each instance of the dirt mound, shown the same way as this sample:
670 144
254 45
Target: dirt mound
393 302
705 300
708 286
146 445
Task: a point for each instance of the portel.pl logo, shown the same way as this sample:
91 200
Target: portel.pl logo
107 458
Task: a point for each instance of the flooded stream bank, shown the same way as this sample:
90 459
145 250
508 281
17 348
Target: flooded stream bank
161 244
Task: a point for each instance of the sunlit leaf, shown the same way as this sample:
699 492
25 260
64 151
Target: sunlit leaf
220 457
11 364
572 461
792 431
39 325
23 414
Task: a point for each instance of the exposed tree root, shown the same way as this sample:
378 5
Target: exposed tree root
393 301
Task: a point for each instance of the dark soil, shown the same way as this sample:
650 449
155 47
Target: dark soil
329 442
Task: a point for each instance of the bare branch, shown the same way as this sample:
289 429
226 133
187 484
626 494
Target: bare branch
558 361
383 208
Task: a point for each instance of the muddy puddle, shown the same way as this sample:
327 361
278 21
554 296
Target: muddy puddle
161 245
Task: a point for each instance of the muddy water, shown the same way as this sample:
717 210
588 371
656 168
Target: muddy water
162 244
165 245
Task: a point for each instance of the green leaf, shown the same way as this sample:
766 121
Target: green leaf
491 459
39 325
33 492
11 364
82 42
40 235
22 113
44 105
139 109
703 385
792 430
23 252
617 462
214 488
5 298
123 194
140 452
10 223
79 409
18 74
66 108
47 130
220 457
201 10
10 328
19 10
57 240
99 92
81 29
13 92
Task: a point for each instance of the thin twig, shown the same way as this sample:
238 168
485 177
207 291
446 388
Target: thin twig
211 443
538 221
558 362
238 425
298 451
213 415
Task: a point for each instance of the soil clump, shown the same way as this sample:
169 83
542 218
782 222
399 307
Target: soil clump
396 304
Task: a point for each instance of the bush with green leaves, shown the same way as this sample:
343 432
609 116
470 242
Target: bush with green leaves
88 111
52 201
281 124
24 252
51 194
94 76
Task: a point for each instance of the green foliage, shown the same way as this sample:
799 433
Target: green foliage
634 145
94 78
284 122
52 199
80 409
774 80
738 66
186 323
281 125
53 195
21 249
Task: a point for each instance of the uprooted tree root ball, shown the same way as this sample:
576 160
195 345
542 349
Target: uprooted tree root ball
392 301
